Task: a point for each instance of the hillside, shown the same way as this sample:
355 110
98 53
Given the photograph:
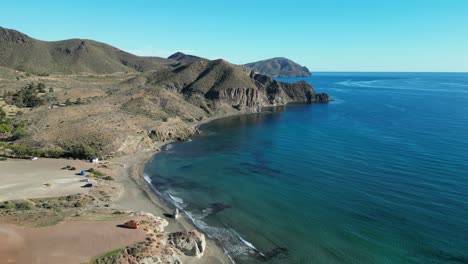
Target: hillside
279 67
237 86
84 115
21 52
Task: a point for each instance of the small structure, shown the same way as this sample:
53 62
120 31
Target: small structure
176 213
95 160
34 158
82 173
132 224
88 185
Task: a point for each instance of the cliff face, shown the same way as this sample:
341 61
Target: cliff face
236 86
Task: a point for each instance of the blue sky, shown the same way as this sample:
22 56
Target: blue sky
332 35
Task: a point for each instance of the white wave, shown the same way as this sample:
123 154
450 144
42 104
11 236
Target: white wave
169 146
409 85
189 140
454 84
147 178
176 199
233 244
247 242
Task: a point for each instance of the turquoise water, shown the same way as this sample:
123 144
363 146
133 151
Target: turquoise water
380 175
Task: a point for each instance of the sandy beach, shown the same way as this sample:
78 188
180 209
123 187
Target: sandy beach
22 179
27 179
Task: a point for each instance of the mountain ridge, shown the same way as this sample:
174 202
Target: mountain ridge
143 101
24 53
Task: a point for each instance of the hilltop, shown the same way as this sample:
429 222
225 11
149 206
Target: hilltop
279 67
23 53
184 58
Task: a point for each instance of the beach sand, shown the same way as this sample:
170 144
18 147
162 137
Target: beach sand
78 241
138 196
21 179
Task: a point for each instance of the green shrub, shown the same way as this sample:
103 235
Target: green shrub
19 133
72 168
107 178
41 88
5 128
23 151
24 205
98 173
80 151
2 114
27 96
3 158
7 205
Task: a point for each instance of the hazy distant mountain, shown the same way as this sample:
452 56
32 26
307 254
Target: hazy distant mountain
21 52
279 67
184 58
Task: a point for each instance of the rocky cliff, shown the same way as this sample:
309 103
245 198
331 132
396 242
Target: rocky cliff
218 81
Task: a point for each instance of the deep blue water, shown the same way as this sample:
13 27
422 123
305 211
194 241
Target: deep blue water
380 175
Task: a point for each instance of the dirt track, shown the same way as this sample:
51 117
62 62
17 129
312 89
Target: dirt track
69 242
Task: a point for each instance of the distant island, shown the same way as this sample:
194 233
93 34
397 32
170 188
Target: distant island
279 67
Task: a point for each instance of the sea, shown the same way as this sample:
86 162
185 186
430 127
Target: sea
378 175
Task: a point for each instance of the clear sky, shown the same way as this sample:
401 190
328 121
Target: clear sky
325 35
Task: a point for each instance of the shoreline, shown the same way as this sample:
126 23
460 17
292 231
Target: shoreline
133 173
132 192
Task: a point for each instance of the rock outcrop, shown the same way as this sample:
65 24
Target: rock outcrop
209 83
191 243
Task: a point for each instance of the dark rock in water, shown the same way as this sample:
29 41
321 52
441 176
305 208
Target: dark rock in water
218 207
322 98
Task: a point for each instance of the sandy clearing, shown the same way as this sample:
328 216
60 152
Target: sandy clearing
68 242
20 179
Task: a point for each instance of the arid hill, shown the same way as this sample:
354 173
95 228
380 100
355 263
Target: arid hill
279 67
21 52
184 58
88 114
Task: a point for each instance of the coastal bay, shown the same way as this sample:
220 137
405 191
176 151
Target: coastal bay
362 179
